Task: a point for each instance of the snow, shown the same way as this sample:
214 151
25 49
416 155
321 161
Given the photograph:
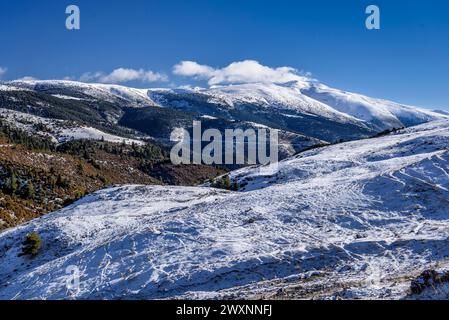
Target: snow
59 131
290 100
266 96
383 113
365 215
4 87
107 92
61 96
88 133
310 98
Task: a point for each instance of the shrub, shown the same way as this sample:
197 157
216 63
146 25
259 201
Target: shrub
79 194
225 183
31 245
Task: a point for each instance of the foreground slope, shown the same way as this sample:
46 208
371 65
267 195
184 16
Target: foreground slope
357 219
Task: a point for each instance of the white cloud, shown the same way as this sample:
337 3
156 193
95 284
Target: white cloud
193 69
27 78
3 71
247 71
124 75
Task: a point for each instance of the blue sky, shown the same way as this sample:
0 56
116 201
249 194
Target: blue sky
406 61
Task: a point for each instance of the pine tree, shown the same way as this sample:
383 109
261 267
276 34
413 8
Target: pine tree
29 191
11 184
14 184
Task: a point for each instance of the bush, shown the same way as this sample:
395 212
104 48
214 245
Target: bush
31 245
79 194
104 180
225 183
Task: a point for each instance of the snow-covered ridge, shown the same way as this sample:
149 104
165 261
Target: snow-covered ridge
4 87
384 113
294 98
365 215
311 98
107 92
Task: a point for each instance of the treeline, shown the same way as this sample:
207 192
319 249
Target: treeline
85 148
29 185
18 136
150 153
387 132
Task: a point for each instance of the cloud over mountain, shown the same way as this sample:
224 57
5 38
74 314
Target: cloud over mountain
247 71
122 75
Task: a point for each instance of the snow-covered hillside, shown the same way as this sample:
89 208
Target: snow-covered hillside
59 131
268 97
358 219
383 114
73 89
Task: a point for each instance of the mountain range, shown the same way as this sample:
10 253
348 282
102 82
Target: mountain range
301 109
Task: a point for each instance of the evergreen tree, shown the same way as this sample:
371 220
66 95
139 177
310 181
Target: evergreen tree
11 185
29 191
14 183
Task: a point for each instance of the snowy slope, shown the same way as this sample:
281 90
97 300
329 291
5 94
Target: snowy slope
300 98
72 89
59 131
272 97
366 215
382 113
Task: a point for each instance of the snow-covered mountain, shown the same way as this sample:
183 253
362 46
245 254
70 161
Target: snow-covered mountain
76 110
383 114
357 219
305 106
298 106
